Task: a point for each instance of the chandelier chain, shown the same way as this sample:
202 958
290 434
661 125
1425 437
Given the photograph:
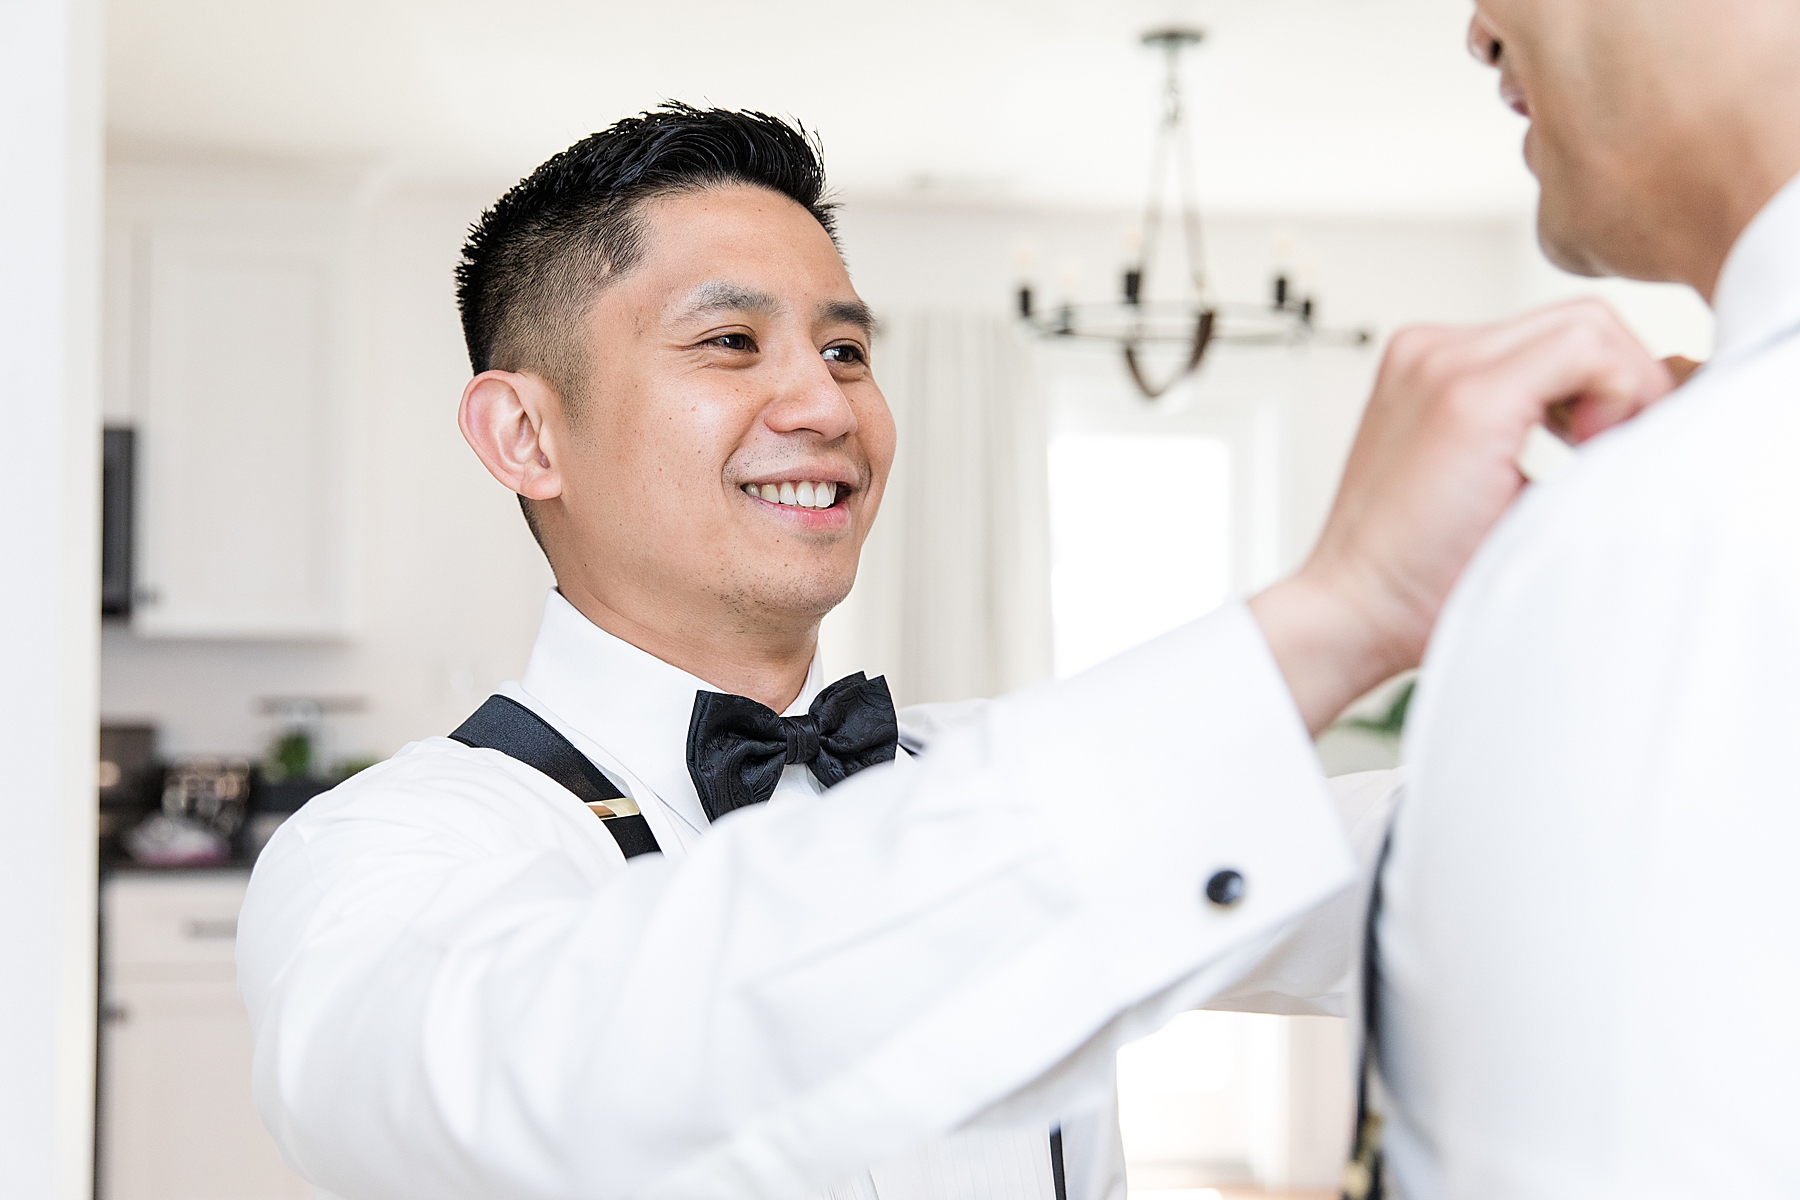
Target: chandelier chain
1173 154
1141 322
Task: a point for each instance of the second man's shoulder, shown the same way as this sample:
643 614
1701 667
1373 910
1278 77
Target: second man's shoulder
922 724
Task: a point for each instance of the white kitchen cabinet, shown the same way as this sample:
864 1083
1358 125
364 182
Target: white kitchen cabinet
235 368
176 1120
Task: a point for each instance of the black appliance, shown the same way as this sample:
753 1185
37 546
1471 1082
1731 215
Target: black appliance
117 505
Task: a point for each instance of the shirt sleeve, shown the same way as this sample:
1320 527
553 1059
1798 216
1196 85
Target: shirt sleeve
449 1004
1311 965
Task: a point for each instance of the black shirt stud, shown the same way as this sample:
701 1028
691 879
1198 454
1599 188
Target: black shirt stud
1225 888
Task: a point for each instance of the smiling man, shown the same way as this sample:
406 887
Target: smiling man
704 481
612 937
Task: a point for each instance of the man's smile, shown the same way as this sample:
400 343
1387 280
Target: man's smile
805 493
820 505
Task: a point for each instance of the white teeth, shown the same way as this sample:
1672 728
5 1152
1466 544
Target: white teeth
805 494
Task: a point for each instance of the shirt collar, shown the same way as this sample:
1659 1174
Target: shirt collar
1758 294
630 703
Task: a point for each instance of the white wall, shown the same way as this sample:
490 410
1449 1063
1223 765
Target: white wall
50 141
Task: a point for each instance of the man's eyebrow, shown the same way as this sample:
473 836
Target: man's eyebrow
848 312
718 295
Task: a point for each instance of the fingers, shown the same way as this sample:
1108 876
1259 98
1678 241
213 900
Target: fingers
1580 377
1574 367
1436 462
1461 349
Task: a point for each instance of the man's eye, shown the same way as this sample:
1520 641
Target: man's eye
733 341
845 353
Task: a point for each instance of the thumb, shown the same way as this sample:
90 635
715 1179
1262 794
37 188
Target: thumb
1595 411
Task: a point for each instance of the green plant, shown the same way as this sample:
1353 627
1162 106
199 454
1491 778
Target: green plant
1390 723
291 757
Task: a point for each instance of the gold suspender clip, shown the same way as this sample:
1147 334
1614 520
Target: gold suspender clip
1359 1172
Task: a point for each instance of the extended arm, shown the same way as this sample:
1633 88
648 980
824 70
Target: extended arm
455 996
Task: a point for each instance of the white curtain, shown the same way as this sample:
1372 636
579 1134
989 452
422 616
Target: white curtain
953 599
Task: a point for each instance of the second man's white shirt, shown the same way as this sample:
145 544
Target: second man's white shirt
1591 926
461 990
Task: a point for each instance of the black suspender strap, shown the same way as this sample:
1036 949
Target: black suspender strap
517 732
1056 1164
1362 1175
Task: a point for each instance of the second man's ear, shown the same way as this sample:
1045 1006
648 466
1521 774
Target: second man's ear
506 419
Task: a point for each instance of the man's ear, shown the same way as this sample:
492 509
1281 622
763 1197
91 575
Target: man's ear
505 419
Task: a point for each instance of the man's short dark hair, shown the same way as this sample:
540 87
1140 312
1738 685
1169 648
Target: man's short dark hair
535 261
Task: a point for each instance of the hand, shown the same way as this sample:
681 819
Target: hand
1432 470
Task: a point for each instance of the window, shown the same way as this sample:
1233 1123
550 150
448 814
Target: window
1140 529
1157 516
1183 1106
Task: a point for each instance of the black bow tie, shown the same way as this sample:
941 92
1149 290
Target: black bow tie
737 748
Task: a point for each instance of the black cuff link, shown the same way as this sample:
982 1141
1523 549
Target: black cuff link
1225 888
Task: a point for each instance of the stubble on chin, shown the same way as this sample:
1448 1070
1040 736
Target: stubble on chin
757 600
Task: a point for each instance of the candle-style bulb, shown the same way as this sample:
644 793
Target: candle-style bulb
1068 278
1024 256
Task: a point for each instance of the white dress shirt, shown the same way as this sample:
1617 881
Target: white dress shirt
1590 941
462 991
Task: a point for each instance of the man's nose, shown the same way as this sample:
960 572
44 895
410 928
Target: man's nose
810 399
1484 41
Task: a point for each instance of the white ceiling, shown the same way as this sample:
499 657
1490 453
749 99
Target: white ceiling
1318 106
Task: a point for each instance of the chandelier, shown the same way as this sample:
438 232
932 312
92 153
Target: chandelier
1196 324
